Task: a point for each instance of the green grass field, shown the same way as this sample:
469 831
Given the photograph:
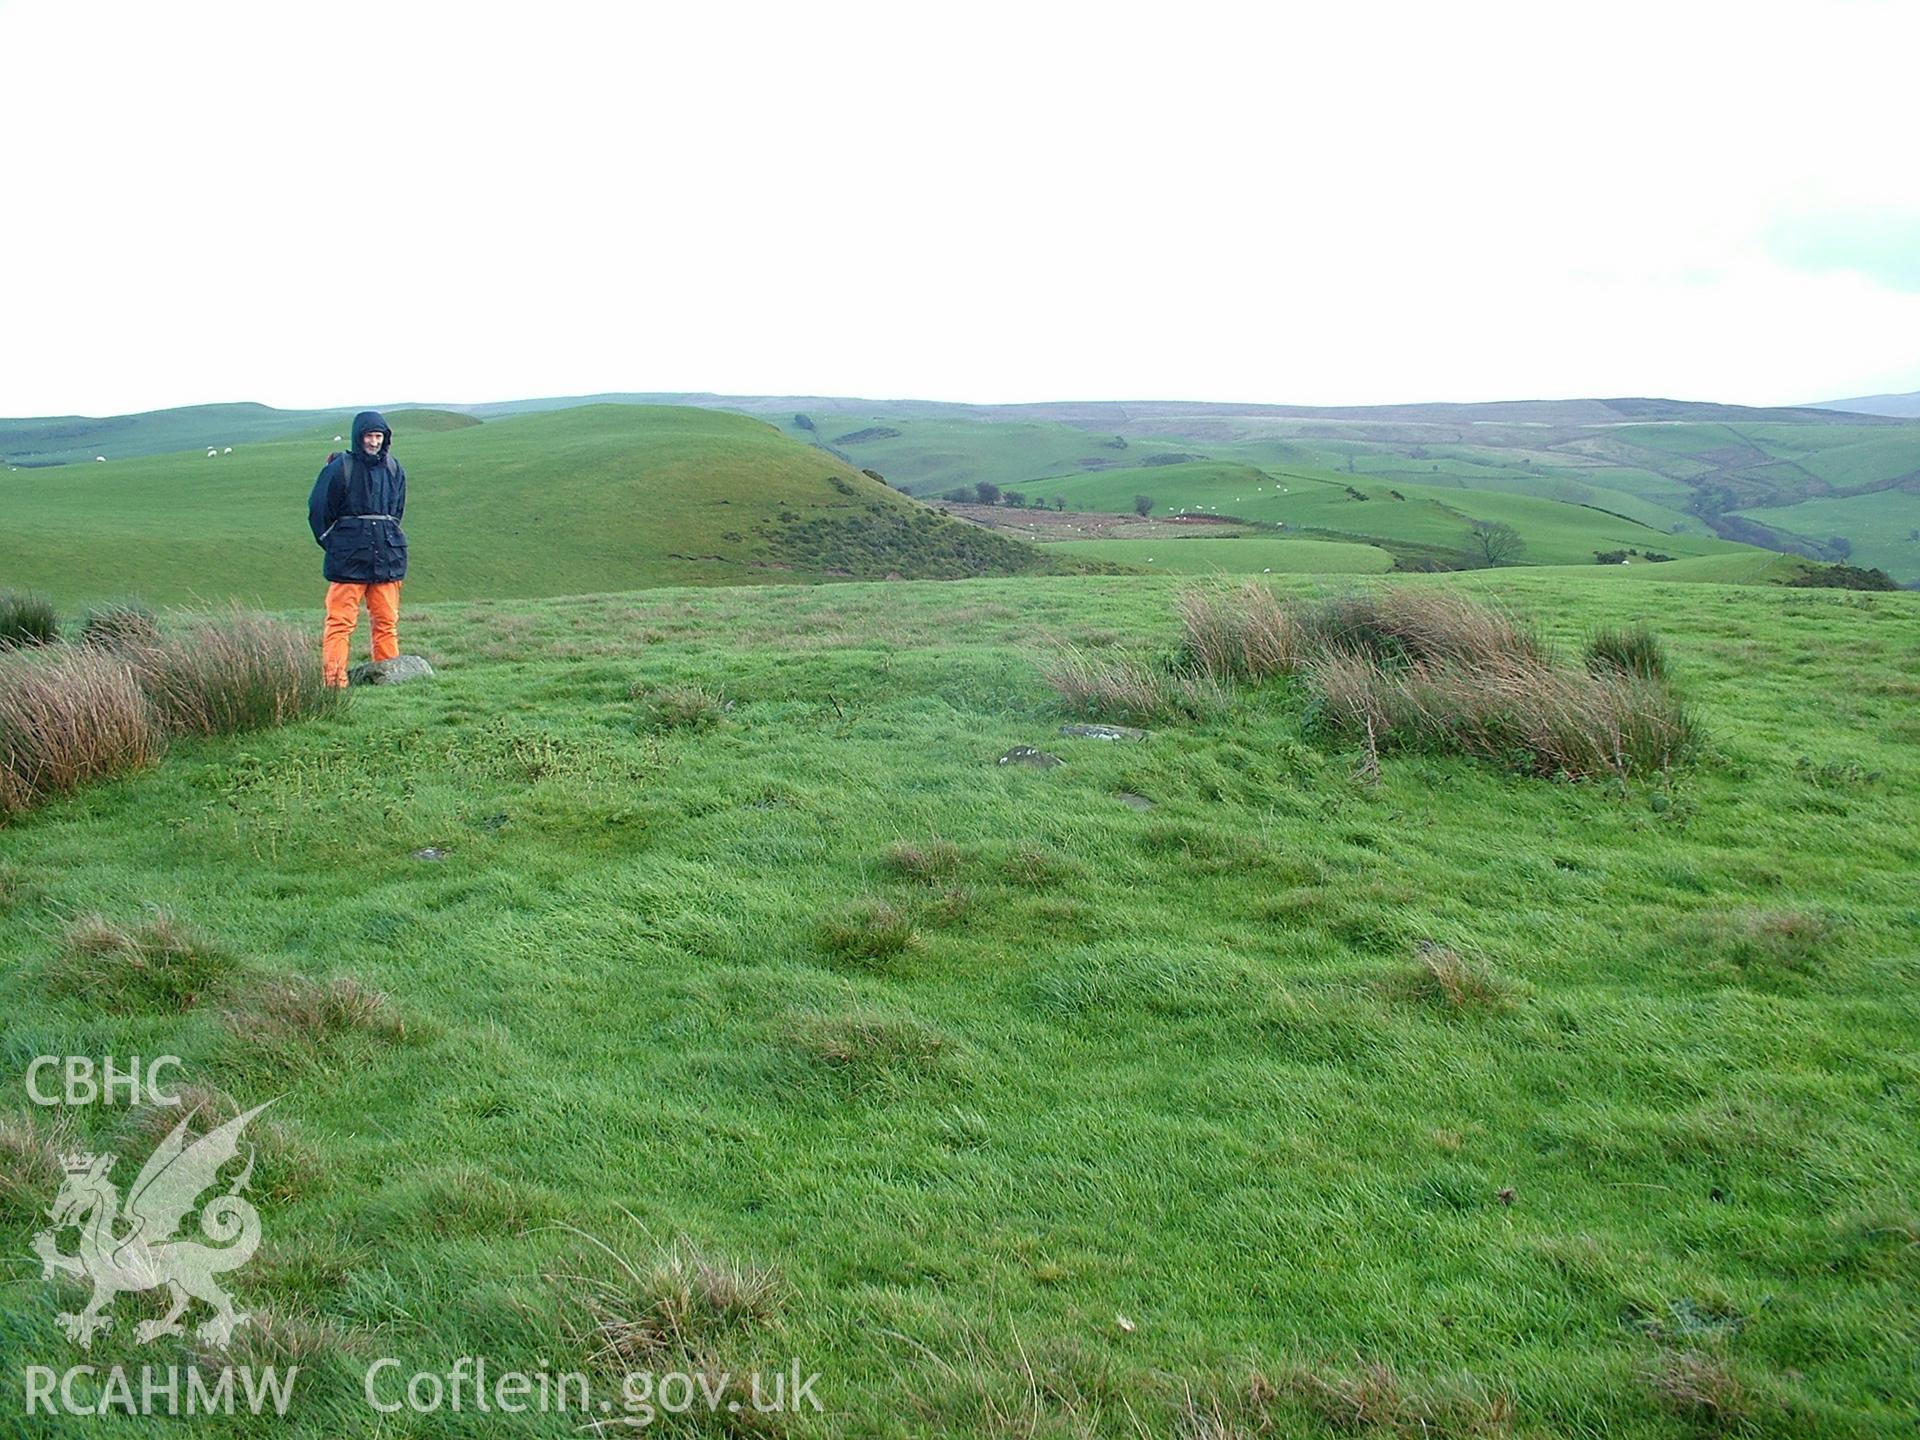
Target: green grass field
1236 556
1028 1112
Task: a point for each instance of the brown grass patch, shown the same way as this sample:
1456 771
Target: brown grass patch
677 1308
866 1051
1702 1390
158 962
869 931
31 1170
1399 668
298 1011
926 861
1374 1398
1442 975
280 1338
286 1164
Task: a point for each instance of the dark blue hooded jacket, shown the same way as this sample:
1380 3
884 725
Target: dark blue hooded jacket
356 508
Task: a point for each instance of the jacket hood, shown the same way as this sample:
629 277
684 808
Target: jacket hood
372 420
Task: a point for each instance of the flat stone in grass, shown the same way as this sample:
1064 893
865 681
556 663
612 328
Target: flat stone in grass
1135 802
1027 755
397 671
1103 732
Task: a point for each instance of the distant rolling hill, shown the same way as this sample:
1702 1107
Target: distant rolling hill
1809 480
602 498
1905 407
81 439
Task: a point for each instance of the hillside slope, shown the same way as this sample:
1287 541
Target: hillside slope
1906 407
593 499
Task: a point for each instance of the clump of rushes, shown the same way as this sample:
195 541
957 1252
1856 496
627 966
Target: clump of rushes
120 625
27 618
1423 669
680 707
1118 687
66 719
232 673
1627 650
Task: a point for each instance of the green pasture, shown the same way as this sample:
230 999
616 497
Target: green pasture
705 920
1230 555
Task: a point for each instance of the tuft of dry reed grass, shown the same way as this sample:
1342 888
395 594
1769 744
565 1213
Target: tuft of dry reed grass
66 719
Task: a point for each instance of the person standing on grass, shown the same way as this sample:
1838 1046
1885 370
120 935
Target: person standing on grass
355 511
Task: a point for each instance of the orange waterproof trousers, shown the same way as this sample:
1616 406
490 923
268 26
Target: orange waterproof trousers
343 613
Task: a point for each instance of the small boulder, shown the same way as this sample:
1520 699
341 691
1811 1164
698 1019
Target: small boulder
1027 755
430 852
397 671
1134 802
1103 732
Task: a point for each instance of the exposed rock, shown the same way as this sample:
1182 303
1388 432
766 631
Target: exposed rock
1134 802
397 671
1103 732
1027 755
430 852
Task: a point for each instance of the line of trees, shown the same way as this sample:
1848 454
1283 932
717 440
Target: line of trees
985 492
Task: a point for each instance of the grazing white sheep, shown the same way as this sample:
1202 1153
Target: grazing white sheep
101 458
336 439
227 451
210 452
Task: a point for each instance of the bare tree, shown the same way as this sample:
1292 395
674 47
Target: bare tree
1143 505
1495 541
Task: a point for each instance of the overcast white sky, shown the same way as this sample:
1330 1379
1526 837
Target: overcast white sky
330 205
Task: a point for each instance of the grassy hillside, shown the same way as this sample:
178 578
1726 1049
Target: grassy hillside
1881 529
567 502
1008 1106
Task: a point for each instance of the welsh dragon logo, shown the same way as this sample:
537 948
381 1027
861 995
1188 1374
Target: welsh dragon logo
133 1247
